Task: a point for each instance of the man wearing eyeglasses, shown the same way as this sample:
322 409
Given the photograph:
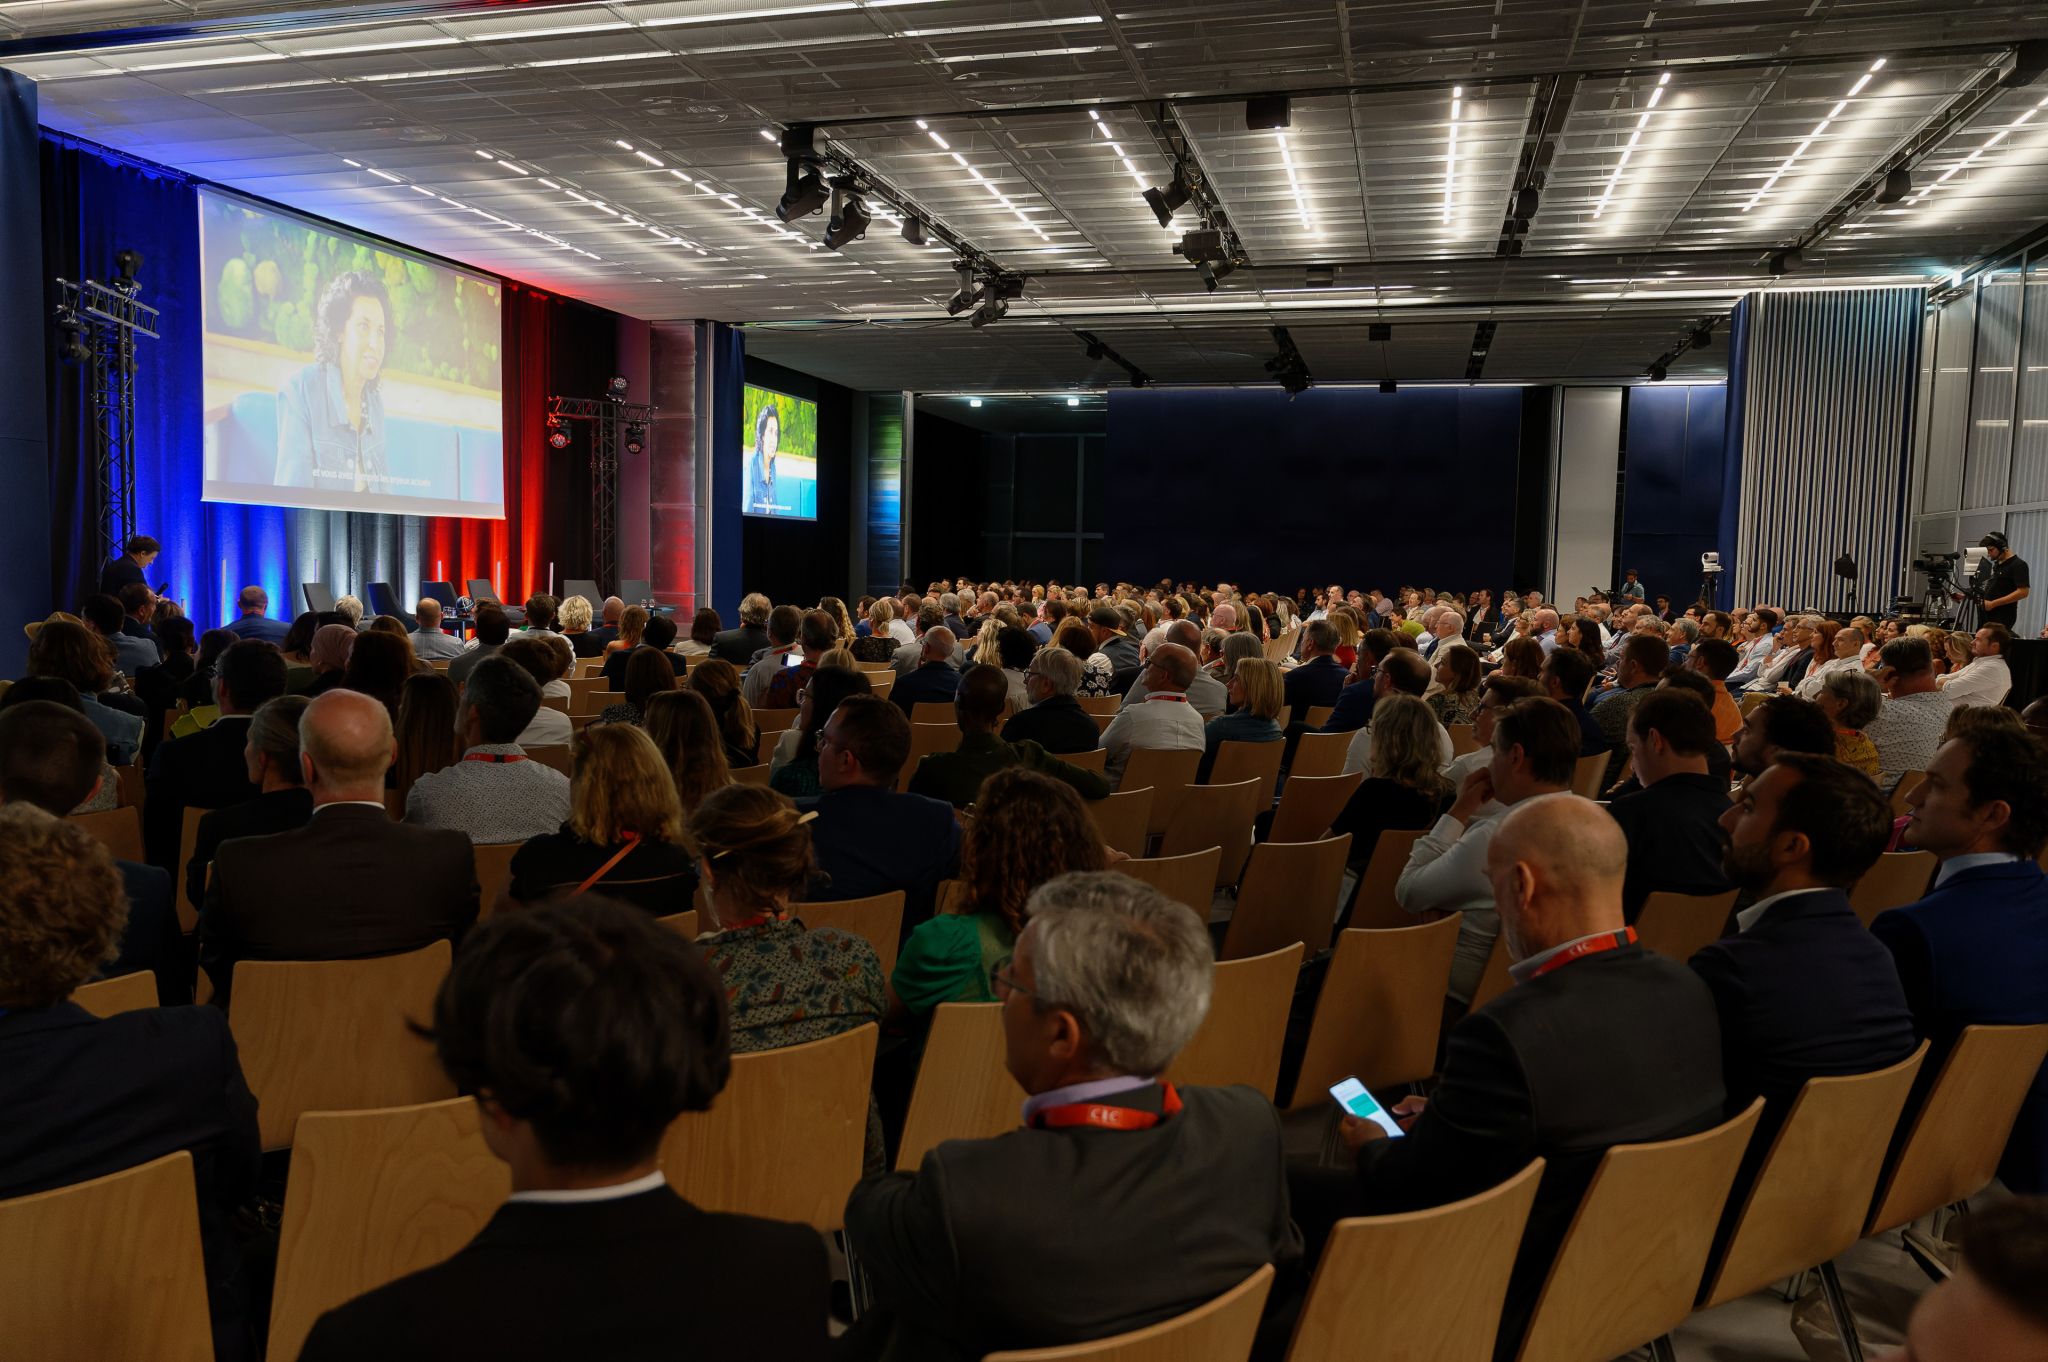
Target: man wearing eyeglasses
1054 719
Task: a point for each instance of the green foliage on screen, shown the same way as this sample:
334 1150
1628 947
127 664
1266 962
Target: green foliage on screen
798 437
266 273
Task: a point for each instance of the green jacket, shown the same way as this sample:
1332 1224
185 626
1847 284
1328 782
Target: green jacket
956 776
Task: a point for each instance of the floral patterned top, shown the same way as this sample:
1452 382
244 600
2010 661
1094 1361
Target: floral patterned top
789 985
1453 708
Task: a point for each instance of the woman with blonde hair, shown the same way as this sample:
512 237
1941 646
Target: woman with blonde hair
632 623
836 608
877 645
1348 633
624 837
1405 789
1257 696
719 683
685 732
573 619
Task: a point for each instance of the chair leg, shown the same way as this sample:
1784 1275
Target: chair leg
1660 1349
1925 1254
1838 1306
1795 1286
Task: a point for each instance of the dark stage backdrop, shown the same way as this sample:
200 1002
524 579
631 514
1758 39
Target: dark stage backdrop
1673 460
1345 485
799 560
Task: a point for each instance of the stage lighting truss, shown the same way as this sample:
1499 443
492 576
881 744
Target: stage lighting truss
616 426
98 325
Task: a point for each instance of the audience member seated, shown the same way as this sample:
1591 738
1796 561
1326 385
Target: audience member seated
629 634
1164 721
1845 655
332 645
1989 1309
1986 679
252 607
1518 1082
1787 665
624 835
784 623
655 637
870 839
536 656
909 656
430 642
86 1097
1851 698
704 628
351 611
873 642
1643 659
572 620
1496 693
1112 644
1674 822
270 756
585 1029
817 634
1975 949
685 736
795 759
1535 749
1406 789
1909 726
112 619
207 770
1356 701
1319 679
739 645
1755 640
935 679
718 681
1715 658
956 777
106 793
648 674
1779 724
426 734
1566 676
1108 981
1207 693
1076 637
1055 719
1453 696
378 664
68 651
495 794
1401 672
492 626
1256 695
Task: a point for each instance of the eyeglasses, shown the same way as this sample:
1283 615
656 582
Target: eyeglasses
1005 981
818 739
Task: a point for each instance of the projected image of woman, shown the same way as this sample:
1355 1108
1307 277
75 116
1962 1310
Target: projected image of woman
330 414
761 463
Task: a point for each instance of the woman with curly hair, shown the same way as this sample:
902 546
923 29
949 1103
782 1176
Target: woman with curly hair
68 651
718 681
836 608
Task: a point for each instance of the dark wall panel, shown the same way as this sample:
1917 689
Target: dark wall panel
1673 438
945 501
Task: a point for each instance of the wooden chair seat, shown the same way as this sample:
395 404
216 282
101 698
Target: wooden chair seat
1320 754
1189 879
877 920
1380 1010
1240 1038
1169 773
1215 816
963 1092
1309 804
1679 926
1122 819
122 993
1290 894
1897 879
1221 1331
1373 904
1258 761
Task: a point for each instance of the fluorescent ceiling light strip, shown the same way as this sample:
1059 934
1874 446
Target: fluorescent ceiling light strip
1642 124
593 61
244 60
982 180
1451 157
2008 130
1819 129
439 74
1116 148
404 44
786 11
1017 56
1300 199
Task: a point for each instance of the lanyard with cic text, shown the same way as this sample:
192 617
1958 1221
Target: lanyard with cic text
1579 950
1103 1117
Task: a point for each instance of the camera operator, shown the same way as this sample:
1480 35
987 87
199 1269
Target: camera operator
2002 581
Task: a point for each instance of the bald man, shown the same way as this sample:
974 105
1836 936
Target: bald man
1208 695
1165 719
1598 1042
430 641
935 679
349 884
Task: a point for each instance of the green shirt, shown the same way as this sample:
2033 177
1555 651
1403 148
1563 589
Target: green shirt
956 776
950 958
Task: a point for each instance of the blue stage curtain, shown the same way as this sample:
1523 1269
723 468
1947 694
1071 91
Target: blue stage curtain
25 512
1671 496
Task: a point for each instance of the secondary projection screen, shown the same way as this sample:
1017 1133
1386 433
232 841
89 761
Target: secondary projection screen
344 374
781 461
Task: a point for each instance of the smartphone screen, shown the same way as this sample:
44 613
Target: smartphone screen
792 660
1352 1096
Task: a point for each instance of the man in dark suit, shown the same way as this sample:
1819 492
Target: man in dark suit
1319 680
1975 950
869 839
282 803
1004 1243
957 776
1110 639
1674 823
738 646
1599 1043
207 770
302 895
1566 676
584 1028
935 680
1055 719
1354 703
136 556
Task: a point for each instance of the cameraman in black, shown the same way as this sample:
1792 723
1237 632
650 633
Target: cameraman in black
2002 581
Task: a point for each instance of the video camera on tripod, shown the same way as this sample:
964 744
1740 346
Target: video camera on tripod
1948 585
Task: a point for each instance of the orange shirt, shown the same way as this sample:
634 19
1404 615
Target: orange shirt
1727 714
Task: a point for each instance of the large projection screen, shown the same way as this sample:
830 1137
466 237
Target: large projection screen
345 374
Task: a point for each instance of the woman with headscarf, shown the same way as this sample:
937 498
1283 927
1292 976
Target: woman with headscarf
332 644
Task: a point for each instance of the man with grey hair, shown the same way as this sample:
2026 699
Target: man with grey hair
935 679
1164 720
784 622
739 646
1004 1243
430 642
1206 693
949 614
1054 719
910 656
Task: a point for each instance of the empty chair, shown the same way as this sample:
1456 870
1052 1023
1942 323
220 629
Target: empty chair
382 600
493 874
1215 816
926 739
1678 926
107 1270
1290 893
1380 1010
374 1195
444 592
1588 776
332 1035
877 920
1260 761
1382 1268
319 597
585 690
1315 716
123 993
1320 754
1189 879
1895 880
585 587
636 591
1629 1266
480 592
117 829
784 1138
1122 819
1170 773
963 1092
1240 1038
1309 804
1374 904
1221 1331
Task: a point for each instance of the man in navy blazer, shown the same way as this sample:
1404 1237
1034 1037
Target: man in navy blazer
1975 949
934 679
869 839
1320 677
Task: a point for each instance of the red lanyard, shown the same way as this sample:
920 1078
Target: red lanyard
1579 950
1175 696
1102 1117
494 756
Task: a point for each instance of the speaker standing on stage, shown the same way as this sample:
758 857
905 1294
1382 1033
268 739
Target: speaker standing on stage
138 553
2003 581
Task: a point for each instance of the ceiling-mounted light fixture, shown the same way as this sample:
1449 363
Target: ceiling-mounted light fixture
1786 261
849 220
1263 113
1814 136
1897 185
967 294
1287 367
1170 198
913 231
804 195
1214 273
1702 336
558 435
636 438
1657 371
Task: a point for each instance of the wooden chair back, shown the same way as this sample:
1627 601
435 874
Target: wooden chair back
1100 704
119 830
683 924
106 1270
1391 1267
558 703
1494 980
1189 879
1374 905
1815 1185
1239 1041
950 899
122 993
1169 773
1751 700
1102 723
1215 816
374 1195
1221 1331
1952 1147
1897 879
1380 1010
1320 754
586 667
1630 1264
883 666
1678 926
933 712
1309 804
1589 775
882 681
925 739
1315 716
394 806
765 743
188 847
963 1092
785 1137
493 874
1258 761
331 1035
1464 741
1291 892
133 781
585 692
877 920
1122 819
774 720
554 756
753 775
1094 759
1277 649
1908 782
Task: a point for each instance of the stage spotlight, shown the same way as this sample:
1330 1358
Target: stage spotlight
1320 276
1095 350
1702 336
1288 368
1168 199
849 221
127 264
1787 262
1657 372
618 387
1211 274
967 294
558 434
1897 185
1263 113
913 231
1204 243
1526 202
72 345
806 193
636 438
992 309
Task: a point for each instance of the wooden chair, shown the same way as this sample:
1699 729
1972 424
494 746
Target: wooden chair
586 692
1094 759
1122 819
882 681
683 924
394 808
1494 980
1897 879
1319 754
1189 879
1215 816
1100 704
1277 649
925 739
876 667
558 703
119 830
1678 926
122 993
1464 741
963 1092
374 1195
331 1035
1240 1038
1751 700
1221 1331
1814 1187
1315 716
765 743
785 1137
1258 761
1373 904
106 1270
188 847
1381 1007
1630 1265
586 667
1102 723
1376 1269
1309 804
1588 775
1907 784
752 775
1290 893
493 874
877 920
775 720
933 712
579 722
1169 773
133 781
554 756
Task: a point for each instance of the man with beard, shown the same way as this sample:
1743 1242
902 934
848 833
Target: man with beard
1778 725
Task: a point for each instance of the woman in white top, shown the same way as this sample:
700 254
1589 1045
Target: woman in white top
704 627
